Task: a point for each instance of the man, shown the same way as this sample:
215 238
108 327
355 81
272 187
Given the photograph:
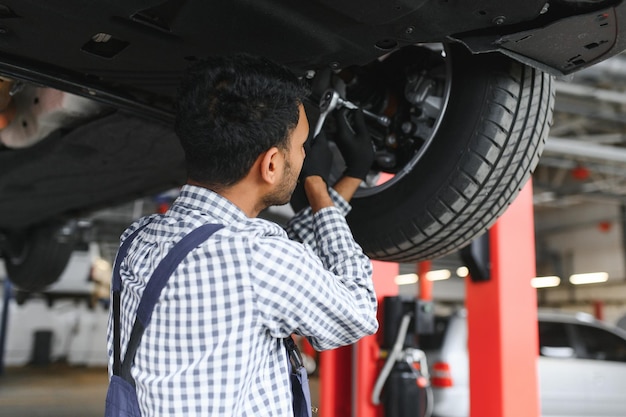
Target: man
213 346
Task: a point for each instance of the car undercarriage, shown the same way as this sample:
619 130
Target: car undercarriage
460 96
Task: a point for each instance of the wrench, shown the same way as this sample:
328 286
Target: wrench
328 103
331 100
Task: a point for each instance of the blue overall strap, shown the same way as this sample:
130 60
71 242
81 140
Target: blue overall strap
301 393
116 287
155 285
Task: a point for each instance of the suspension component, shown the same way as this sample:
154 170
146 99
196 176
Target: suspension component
331 100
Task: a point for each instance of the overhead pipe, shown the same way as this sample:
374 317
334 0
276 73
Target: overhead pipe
590 92
584 150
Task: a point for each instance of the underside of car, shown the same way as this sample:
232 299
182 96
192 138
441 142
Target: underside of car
458 94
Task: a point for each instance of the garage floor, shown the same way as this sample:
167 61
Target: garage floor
56 390
59 390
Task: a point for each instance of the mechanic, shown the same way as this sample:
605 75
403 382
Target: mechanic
213 346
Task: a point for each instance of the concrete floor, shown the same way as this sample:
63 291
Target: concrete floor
55 390
60 390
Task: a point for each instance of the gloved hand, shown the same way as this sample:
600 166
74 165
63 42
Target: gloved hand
356 147
319 158
318 161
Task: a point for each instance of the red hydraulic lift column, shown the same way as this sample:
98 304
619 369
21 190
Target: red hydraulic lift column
348 374
502 320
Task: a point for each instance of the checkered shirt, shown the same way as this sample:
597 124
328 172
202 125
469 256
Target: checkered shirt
213 346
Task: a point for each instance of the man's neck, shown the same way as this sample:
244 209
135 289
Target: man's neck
240 194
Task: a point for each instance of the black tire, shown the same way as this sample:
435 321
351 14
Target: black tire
488 143
36 260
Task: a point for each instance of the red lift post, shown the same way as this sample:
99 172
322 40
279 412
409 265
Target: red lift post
348 374
502 320
425 286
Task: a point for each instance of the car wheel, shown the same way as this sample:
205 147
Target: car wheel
36 259
464 138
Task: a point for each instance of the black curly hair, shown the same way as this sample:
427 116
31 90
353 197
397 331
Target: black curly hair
230 110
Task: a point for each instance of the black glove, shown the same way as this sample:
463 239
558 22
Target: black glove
356 147
318 161
319 158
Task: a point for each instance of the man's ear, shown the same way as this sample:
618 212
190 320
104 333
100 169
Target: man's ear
270 165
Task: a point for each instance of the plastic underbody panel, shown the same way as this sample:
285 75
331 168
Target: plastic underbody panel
131 52
128 54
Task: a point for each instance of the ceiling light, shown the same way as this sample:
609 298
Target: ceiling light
589 278
406 279
544 282
462 271
438 275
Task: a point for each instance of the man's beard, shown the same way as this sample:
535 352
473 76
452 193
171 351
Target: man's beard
283 192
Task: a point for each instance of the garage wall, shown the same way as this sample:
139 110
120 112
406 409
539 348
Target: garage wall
588 238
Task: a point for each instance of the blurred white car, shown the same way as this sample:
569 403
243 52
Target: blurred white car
582 366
